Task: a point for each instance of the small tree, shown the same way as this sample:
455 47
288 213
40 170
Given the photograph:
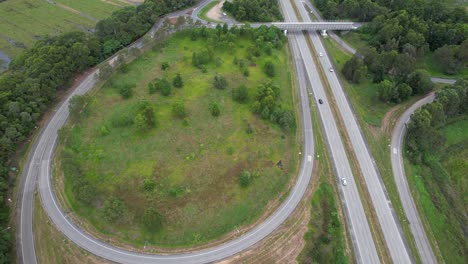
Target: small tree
76 105
178 82
126 90
240 94
245 178
215 109
153 219
165 66
220 82
269 69
151 88
178 109
145 118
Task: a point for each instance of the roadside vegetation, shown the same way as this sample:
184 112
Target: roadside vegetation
39 73
437 148
202 143
254 10
389 72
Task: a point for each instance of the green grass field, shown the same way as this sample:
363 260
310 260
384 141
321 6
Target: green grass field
428 62
22 22
441 210
195 163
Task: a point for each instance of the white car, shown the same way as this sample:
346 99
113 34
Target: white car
344 182
331 69
320 54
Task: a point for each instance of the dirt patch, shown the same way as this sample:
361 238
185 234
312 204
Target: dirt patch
389 119
216 13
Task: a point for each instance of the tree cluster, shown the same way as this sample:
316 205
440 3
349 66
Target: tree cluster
422 136
254 10
268 106
394 72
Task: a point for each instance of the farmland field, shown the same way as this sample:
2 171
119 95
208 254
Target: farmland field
189 168
22 22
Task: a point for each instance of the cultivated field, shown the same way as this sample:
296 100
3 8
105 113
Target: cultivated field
22 22
186 168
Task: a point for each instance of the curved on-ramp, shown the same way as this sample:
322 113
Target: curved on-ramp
416 226
38 168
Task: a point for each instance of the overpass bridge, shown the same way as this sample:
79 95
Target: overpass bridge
299 26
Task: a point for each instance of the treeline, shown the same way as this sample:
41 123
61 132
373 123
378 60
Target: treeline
413 27
35 76
254 10
422 136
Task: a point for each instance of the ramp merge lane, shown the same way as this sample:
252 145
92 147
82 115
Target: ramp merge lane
39 166
391 229
358 225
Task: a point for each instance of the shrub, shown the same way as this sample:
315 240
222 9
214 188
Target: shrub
178 110
164 66
215 109
163 86
114 209
245 178
178 82
240 94
152 219
126 90
269 69
220 82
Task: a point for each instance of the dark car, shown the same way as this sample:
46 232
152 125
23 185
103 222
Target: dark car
320 101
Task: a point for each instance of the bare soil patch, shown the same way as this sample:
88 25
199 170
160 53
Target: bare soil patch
216 13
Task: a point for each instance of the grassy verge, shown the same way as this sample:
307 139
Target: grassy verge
428 62
195 162
206 9
442 212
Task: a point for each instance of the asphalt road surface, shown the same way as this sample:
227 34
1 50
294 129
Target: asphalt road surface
358 225
417 229
38 167
391 229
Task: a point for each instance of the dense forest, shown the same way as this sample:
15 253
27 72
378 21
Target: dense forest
35 76
254 10
398 37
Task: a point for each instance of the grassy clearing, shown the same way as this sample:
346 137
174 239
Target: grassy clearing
195 162
205 10
428 62
355 39
443 211
370 112
22 22
52 246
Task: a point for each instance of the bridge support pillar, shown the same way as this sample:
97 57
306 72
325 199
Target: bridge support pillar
323 32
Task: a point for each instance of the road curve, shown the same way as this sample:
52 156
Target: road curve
416 226
38 167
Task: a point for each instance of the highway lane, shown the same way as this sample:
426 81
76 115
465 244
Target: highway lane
390 226
417 229
39 165
358 225
422 243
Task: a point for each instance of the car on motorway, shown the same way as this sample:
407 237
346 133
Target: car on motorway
331 69
320 101
320 54
344 182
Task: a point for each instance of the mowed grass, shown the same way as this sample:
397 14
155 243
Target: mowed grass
446 223
195 163
22 22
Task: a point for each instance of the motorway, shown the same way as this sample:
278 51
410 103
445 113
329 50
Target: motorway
422 243
38 168
391 229
358 225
